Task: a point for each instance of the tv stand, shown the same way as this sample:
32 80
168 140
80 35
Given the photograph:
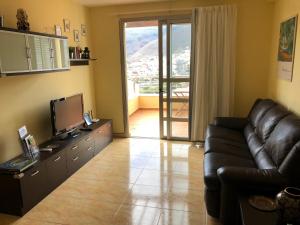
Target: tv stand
22 191
71 134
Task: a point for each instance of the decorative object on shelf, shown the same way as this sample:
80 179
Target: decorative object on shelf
58 30
288 202
72 52
286 50
83 30
1 21
78 52
67 25
76 36
85 53
22 23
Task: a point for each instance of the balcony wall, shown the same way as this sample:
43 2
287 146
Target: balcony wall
142 102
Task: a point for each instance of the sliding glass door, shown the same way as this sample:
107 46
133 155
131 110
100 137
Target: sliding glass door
174 78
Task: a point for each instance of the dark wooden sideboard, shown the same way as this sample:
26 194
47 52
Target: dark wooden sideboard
21 192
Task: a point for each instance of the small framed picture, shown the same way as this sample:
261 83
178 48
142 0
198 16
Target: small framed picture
67 25
83 29
76 36
58 30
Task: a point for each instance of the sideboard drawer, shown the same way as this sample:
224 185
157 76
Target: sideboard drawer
74 162
57 170
103 136
34 186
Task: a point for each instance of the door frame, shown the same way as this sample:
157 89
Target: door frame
122 21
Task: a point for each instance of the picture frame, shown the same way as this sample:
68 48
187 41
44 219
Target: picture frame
58 31
286 49
83 30
76 36
67 25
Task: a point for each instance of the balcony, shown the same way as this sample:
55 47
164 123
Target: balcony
143 111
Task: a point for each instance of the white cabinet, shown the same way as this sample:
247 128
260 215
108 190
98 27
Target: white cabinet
31 52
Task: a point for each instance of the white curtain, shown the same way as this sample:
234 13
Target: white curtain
213 65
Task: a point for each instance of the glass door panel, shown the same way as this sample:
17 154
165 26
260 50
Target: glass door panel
14 55
175 54
46 53
34 43
181 40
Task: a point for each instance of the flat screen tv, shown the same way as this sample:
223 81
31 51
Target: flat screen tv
66 114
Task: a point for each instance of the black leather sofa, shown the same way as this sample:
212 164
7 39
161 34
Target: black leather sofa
259 154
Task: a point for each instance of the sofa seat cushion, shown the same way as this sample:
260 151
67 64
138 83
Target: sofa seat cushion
213 161
227 147
225 134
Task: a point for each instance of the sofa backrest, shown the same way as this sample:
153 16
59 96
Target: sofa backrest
269 121
283 140
259 109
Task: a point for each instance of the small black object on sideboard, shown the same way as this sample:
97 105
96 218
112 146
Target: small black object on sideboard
21 192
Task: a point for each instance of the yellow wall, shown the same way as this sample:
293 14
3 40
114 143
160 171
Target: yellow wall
253 46
284 91
149 102
133 105
24 100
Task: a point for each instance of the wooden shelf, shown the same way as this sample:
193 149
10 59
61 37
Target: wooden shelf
80 62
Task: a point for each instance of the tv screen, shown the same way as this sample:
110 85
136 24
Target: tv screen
66 113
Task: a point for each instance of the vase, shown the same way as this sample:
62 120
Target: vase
288 202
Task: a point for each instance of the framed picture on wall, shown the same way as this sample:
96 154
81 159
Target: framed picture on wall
286 50
67 25
76 36
83 29
57 30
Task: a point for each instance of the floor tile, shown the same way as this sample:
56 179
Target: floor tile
174 217
136 215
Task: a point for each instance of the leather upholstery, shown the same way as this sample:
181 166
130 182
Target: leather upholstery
259 110
270 120
260 153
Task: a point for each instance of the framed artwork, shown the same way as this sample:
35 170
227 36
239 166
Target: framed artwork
76 36
83 29
58 30
286 50
67 25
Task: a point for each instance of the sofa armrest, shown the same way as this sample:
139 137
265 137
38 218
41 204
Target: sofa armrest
231 122
251 178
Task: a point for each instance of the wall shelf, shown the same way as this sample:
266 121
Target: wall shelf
80 62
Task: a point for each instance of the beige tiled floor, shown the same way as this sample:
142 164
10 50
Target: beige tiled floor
131 182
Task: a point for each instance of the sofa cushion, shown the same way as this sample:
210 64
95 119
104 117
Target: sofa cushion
228 147
259 110
270 120
213 161
255 145
225 134
263 160
248 132
284 137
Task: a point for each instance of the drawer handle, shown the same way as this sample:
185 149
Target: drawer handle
76 158
90 148
74 147
57 159
88 139
35 173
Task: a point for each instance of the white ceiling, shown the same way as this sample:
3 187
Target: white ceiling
112 2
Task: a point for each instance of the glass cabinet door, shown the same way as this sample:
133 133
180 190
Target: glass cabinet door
14 53
61 53
64 53
47 54
34 44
